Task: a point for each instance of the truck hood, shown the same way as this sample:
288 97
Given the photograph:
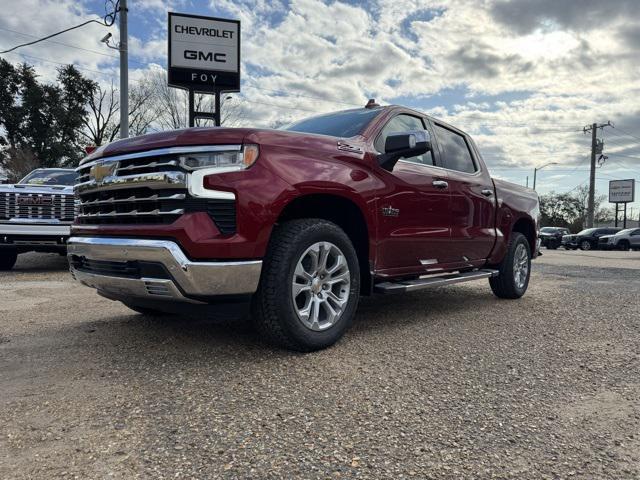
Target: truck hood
25 189
227 136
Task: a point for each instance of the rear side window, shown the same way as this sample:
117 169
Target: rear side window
455 150
403 123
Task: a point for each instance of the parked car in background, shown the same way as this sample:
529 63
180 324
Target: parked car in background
299 221
36 214
623 240
587 239
551 237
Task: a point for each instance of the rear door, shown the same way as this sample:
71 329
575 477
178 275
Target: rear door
473 203
414 214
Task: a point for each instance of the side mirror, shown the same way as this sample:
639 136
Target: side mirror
404 145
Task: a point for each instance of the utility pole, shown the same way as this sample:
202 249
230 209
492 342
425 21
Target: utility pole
124 72
593 128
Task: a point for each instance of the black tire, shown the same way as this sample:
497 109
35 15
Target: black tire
8 259
586 245
273 310
504 285
624 245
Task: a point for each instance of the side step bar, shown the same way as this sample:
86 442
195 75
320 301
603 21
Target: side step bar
439 281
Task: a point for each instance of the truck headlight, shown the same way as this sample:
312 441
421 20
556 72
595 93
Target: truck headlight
227 160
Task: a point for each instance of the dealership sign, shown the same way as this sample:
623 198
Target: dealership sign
622 191
204 53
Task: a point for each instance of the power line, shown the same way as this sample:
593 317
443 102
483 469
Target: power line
64 63
627 133
59 43
108 20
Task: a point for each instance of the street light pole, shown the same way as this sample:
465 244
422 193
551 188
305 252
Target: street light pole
535 171
124 72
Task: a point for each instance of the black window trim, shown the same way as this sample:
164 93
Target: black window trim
472 151
435 154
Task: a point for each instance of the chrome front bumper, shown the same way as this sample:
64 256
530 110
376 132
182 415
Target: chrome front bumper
26 227
188 281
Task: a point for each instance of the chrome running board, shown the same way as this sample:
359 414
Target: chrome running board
434 281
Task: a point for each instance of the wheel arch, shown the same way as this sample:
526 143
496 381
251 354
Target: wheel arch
526 227
345 213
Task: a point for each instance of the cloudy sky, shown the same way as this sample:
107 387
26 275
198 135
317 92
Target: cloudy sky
524 77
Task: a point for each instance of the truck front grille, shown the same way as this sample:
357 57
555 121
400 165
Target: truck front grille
36 206
143 188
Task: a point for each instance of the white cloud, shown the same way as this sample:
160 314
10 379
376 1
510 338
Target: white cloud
527 78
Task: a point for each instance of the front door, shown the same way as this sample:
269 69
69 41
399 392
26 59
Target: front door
414 213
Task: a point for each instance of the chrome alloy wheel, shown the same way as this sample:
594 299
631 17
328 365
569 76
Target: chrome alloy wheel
320 286
520 266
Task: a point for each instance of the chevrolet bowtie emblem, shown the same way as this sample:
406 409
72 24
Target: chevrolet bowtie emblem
101 171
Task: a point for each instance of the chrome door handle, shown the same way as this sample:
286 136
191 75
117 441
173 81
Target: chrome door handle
486 192
440 184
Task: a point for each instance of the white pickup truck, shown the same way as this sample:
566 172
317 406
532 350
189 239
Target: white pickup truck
36 214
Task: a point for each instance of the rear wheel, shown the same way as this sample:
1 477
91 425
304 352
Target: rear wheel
8 258
515 269
309 287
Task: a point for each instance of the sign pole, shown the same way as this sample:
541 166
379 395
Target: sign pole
218 113
616 224
624 222
192 107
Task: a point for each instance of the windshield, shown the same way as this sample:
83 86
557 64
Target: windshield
50 177
588 231
625 231
548 229
347 123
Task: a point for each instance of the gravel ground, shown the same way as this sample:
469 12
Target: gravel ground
446 383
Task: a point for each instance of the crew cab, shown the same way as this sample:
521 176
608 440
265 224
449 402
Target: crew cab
298 222
36 214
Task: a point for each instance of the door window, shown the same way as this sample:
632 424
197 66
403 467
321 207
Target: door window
404 123
455 150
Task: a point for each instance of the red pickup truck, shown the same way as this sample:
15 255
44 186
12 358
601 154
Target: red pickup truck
298 222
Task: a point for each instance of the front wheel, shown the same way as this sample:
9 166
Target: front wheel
515 269
585 245
309 287
8 259
624 246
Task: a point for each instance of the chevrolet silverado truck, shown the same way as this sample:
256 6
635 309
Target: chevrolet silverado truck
298 222
36 214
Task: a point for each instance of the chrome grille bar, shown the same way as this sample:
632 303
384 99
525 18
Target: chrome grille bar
134 213
154 180
140 166
133 198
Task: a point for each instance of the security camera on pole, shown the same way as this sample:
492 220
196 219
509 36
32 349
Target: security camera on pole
204 57
123 49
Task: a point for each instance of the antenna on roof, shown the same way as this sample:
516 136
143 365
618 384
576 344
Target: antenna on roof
371 103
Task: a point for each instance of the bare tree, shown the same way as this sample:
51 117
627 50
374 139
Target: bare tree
19 162
171 105
103 110
102 126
